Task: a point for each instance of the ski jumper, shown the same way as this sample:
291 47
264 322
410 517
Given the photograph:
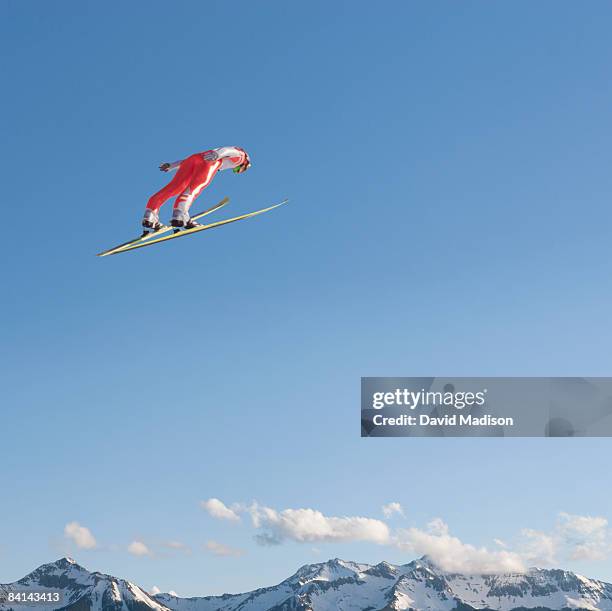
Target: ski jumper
194 174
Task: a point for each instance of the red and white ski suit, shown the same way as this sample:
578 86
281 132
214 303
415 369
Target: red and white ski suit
194 174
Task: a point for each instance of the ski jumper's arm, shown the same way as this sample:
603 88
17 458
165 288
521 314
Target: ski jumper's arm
170 167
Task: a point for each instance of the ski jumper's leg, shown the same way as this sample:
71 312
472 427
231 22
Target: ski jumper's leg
200 179
175 186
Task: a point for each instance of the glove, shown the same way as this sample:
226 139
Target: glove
164 167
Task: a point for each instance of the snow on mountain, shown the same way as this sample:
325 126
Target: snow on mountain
80 590
347 586
335 585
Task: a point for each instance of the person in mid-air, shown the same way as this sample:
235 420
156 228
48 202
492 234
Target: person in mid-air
194 174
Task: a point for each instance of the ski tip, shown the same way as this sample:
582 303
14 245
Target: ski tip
285 201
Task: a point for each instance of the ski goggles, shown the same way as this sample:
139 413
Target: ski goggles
243 167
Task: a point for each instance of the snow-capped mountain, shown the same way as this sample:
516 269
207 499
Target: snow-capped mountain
79 590
335 585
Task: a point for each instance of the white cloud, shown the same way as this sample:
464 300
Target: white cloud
437 526
451 554
154 590
589 552
177 546
586 537
219 549
218 509
138 548
391 508
572 537
80 535
310 525
582 525
539 548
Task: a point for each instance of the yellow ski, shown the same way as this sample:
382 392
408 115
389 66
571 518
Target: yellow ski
185 232
154 234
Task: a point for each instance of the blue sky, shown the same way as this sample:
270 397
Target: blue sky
448 166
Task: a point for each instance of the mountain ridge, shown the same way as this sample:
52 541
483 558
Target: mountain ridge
334 585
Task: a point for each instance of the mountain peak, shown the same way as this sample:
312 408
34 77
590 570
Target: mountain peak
339 562
65 565
65 562
83 588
